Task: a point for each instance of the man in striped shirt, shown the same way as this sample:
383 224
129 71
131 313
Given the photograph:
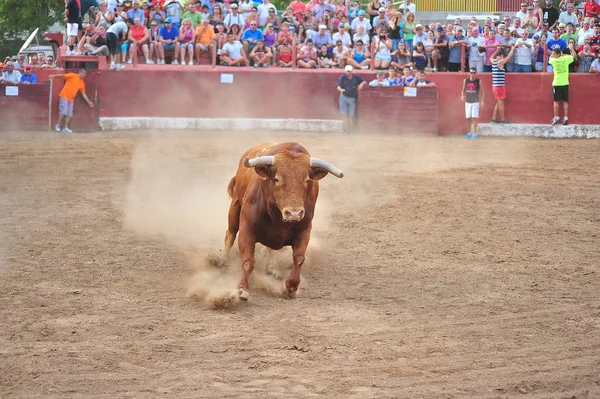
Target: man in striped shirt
498 60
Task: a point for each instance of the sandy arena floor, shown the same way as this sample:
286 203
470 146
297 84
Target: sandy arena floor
439 268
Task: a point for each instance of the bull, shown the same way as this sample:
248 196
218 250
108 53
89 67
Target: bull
273 197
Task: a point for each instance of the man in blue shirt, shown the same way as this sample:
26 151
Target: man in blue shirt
456 44
28 78
136 12
169 37
251 36
348 85
555 42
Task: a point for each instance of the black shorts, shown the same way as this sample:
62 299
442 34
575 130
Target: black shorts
112 42
454 66
561 93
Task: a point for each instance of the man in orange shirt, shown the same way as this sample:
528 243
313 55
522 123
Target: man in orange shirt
205 37
73 84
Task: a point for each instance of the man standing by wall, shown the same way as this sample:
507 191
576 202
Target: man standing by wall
560 84
499 83
73 84
472 95
349 85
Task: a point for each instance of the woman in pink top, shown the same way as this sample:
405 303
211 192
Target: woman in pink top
186 38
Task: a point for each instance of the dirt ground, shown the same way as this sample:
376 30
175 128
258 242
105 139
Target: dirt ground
439 268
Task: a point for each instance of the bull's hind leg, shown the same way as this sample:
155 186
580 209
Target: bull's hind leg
290 284
233 226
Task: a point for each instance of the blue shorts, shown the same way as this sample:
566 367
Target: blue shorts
347 105
169 46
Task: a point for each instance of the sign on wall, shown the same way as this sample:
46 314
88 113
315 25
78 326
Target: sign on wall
12 91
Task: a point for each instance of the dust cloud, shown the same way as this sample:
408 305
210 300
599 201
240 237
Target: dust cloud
178 186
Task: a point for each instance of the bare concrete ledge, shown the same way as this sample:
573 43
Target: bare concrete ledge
141 123
537 130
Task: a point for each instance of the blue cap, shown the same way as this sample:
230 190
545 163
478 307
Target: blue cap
361 12
168 21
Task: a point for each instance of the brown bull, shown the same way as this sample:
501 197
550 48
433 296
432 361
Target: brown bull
273 197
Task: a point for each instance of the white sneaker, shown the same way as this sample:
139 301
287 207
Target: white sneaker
149 62
67 130
162 62
364 67
555 120
175 62
57 128
191 63
120 67
112 66
129 61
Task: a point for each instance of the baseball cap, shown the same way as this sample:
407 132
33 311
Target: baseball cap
322 27
380 72
361 12
561 25
473 69
440 29
348 68
27 67
234 5
381 9
417 26
168 21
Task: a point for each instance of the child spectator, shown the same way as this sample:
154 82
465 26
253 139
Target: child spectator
379 81
285 56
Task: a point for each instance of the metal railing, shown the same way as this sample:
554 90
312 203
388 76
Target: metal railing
458 5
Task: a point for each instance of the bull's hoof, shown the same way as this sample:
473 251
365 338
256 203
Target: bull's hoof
242 294
288 292
217 261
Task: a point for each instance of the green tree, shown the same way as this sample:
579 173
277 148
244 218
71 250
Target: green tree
22 16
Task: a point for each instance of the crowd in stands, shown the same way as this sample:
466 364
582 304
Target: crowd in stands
336 33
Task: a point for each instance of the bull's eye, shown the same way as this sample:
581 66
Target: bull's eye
275 180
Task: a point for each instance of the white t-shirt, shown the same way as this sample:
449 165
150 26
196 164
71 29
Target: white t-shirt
595 65
338 54
565 18
519 30
365 38
365 23
523 53
474 43
263 12
346 39
521 15
117 28
239 19
581 35
233 50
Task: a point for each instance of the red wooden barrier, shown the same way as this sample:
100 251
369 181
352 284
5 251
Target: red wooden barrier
26 111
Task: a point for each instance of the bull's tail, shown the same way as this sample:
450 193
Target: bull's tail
231 187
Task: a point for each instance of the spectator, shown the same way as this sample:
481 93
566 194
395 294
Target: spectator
550 13
217 16
420 36
457 43
10 75
307 56
360 56
325 58
403 57
420 81
289 18
155 44
516 27
531 21
440 52
407 77
96 44
186 41
507 42
543 31
361 21
595 39
104 16
120 14
263 12
20 62
560 83
383 46
173 11
379 81
320 7
340 54
233 53
35 61
204 38
498 61
28 78
194 16
234 18
285 56
136 12
569 34
169 37
49 63
595 67
235 31
220 38
491 45
568 16
272 18
115 35
472 95
251 36
322 37
73 19
138 42
342 35
409 30
285 36
261 55
420 56
74 84
395 29
591 9
586 56
299 8
523 53
408 6
349 85
522 13
585 30
476 56
539 47
555 42
361 36
157 15
381 19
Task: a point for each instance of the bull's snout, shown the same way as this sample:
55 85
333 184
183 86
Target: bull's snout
293 214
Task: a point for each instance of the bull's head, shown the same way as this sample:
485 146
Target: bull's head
290 177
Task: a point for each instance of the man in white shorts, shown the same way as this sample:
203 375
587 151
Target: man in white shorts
73 19
472 95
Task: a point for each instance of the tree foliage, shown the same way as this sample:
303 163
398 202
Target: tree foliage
23 16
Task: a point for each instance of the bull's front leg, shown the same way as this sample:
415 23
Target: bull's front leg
246 245
290 284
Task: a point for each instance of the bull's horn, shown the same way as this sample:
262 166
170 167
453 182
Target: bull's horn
266 160
319 163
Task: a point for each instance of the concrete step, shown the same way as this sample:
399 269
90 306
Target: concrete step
537 130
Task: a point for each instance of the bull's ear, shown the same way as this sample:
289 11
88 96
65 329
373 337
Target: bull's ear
318 173
263 171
